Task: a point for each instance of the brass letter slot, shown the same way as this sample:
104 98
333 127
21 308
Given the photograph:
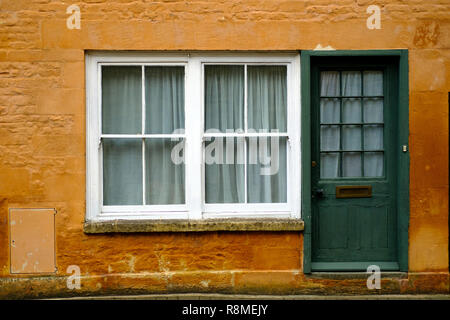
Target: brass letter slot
353 191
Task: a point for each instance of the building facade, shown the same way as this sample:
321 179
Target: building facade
263 147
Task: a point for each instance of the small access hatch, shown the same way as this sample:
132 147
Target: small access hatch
32 240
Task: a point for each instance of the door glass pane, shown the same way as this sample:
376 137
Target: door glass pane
164 99
329 165
329 110
122 172
351 83
351 164
351 110
224 170
373 164
351 137
373 110
267 98
224 97
373 83
329 138
329 84
373 137
267 177
121 100
164 171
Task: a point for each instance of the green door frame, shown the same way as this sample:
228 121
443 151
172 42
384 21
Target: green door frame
403 136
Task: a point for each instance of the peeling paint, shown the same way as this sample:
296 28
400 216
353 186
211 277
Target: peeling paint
319 47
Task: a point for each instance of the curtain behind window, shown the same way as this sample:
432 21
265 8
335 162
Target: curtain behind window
122 114
266 108
352 134
121 100
164 104
224 109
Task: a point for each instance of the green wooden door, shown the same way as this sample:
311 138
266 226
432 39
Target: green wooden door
353 121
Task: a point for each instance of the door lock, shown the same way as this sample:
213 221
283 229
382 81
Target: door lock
317 193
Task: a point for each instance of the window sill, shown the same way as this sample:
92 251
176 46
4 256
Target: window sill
129 226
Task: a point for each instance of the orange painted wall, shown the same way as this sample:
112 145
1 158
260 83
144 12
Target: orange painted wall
42 116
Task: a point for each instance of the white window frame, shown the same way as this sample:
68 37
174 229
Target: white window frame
195 207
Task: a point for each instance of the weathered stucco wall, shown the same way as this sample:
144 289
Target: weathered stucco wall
42 134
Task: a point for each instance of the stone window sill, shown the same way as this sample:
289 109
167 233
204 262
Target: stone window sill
129 226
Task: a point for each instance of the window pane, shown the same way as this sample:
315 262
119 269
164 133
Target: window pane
330 110
329 138
373 110
351 110
267 98
329 84
373 137
351 164
267 172
351 137
329 165
224 170
224 97
121 100
373 83
373 164
164 171
164 99
122 172
351 83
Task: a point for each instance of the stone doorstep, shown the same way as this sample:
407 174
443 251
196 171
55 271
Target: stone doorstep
205 296
354 275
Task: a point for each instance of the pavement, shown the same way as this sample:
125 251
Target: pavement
199 296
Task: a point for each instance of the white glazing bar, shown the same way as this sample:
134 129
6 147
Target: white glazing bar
193 144
143 172
100 107
245 100
142 136
143 132
245 170
248 134
100 130
245 130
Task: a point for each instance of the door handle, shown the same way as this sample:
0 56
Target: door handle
317 193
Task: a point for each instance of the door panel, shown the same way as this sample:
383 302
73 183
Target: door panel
353 120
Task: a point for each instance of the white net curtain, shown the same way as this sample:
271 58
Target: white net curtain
266 111
122 114
127 180
351 117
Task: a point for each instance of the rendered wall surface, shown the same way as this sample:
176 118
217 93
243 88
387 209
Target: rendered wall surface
42 136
